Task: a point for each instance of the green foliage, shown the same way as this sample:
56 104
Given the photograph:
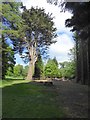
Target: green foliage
51 69
7 57
11 20
9 72
39 29
68 69
55 61
25 71
11 23
18 70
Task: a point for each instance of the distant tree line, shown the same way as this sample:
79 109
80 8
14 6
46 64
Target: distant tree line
52 69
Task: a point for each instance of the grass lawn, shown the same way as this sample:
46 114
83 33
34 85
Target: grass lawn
24 99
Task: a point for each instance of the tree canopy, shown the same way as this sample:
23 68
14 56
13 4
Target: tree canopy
39 32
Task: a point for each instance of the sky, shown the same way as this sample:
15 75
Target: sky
65 41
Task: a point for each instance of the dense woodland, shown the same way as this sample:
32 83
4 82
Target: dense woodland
30 33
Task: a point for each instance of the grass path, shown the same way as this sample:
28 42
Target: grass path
24 99
73 98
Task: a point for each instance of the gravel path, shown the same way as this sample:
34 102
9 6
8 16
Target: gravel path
73 98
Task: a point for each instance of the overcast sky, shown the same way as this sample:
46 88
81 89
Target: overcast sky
64 40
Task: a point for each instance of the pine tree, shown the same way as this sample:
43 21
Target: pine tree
39 33
11 26
38 68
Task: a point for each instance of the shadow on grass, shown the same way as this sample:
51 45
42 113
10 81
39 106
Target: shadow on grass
30 100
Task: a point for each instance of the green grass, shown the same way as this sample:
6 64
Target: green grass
23 99
13 77
9 82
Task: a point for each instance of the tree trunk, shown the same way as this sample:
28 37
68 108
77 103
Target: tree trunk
85 54
30 71
82 63
78 61
33 58
0 64
88 61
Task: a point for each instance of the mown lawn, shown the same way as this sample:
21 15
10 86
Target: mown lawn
25 99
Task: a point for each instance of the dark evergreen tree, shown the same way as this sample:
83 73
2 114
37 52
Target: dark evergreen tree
7 58
38 68
11 25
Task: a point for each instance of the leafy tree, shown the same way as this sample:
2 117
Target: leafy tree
55 61
39 33
25 71
9 72
18 70
68 71
51 69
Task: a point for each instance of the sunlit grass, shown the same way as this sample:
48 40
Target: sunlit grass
4 83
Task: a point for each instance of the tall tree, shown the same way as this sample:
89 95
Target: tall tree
11 25
7 57
39 33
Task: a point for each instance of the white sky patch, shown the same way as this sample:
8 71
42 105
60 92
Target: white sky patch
61 48
64 40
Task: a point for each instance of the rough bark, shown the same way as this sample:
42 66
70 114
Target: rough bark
84 70
33 59
88 61
29 75
0 64
78 61
85 53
